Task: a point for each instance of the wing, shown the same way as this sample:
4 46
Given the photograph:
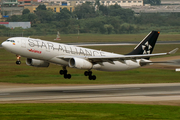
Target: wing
120 58
102 44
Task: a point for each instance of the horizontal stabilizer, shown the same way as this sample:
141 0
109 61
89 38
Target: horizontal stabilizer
173 51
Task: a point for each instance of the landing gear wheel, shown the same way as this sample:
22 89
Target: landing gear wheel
18 62
67 76
64 72
61 72
88 73
92 77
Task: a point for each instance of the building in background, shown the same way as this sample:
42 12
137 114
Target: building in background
12 25
15 7
122 2
170 2
102 2
57 2
9 3
22 3
113 2
54 8
9 11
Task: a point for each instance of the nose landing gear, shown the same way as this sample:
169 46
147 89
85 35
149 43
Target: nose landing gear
18 62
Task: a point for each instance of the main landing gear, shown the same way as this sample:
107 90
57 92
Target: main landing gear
89 73
68 76
18 62
64 72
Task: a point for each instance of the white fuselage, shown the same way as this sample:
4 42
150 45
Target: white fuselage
50 51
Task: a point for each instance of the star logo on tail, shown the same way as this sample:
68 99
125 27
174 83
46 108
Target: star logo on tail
146 48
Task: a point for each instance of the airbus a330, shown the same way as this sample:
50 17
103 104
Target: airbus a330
41 53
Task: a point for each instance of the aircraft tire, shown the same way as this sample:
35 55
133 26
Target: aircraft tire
65 76
90 73
61 72
90 77
86 73
94 77
69 76
65 71
18 62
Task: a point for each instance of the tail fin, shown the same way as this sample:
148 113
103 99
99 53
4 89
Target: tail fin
146 46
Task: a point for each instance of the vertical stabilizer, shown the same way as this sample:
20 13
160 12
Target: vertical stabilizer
146 46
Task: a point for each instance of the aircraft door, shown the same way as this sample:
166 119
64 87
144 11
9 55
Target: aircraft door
23 43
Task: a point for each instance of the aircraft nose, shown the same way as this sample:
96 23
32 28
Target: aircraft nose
2 44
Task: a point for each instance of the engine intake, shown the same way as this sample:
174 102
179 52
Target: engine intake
37 63
80 63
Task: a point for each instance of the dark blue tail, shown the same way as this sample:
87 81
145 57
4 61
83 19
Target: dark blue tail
146 46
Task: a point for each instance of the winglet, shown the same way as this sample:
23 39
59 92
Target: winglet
173 51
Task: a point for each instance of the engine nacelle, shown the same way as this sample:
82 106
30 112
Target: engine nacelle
144 62
37 63
80 63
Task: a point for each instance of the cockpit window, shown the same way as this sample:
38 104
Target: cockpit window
10 41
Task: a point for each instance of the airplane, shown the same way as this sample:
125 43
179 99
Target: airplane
41 53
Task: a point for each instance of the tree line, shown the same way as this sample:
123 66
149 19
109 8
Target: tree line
88 18
152 2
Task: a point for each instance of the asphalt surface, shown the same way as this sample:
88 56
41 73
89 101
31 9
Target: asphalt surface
90 93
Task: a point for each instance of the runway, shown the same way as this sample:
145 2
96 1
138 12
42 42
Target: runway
128 93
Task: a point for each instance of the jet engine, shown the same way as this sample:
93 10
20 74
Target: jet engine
37 63
80 63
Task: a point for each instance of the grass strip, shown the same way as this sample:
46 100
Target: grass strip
88 111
